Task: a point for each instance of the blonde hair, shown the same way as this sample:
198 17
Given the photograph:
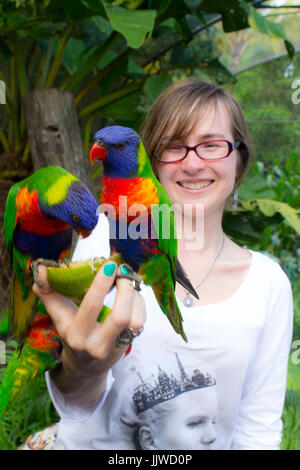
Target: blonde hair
177 109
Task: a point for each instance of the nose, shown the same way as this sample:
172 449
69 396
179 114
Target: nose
192 162
209 435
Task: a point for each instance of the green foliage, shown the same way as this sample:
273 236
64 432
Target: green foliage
271 226
32 412
265 93
291 421
105 52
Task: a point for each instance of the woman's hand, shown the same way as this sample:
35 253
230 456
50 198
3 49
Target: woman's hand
90 348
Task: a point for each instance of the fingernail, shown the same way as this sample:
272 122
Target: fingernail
124 270
109 269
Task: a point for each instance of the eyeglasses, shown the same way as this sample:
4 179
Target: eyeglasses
212 150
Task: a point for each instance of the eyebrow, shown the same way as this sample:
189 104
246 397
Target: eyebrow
204 136
208 136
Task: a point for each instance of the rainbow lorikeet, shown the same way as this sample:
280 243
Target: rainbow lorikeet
40 214
127 172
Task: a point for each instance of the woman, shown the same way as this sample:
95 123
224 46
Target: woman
241 326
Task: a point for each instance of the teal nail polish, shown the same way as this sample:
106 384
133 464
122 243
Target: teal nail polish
124 270
109 269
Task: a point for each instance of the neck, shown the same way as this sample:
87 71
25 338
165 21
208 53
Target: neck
199 236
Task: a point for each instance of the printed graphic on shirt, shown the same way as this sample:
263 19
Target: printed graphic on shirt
173 407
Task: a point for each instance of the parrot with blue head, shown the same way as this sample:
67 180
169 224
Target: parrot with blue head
127 172
40 215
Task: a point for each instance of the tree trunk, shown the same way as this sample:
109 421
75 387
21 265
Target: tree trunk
54 133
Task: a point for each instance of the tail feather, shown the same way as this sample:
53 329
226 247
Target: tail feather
21 311
166 299
184 280
175 318
157 272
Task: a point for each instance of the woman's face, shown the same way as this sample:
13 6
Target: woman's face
195 181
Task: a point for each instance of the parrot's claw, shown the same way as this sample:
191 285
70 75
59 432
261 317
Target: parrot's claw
34 265
65 262
133 276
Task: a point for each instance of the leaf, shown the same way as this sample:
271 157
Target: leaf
240 229
135 70
215 69
80 9
123 110
183 29
155 85
5 49
170 9
269 207
75 10
234 16
95 5
255 186
102 24
265 26
133 25
290 48
234 19
72 54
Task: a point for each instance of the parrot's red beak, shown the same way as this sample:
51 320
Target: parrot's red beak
83 232
98 152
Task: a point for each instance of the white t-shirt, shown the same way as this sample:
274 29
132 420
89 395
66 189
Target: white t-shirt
224 389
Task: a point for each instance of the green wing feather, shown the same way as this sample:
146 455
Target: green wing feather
160 272
167 243
4 323
10 220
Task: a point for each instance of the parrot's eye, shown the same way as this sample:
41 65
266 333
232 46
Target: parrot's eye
99 142
121 145
75 218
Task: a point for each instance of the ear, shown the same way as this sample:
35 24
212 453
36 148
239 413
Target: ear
145 438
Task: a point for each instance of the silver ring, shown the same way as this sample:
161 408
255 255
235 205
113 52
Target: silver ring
126 337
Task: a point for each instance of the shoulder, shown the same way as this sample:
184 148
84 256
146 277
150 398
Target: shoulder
267 265
272 287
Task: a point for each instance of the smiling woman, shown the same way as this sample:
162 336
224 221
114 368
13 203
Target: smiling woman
222 389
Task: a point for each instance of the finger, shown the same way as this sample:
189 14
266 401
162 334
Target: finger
60 309
120 316
92 302
44 287
139 314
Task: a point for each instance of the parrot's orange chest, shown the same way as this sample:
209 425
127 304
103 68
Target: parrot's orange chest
29 215
128 195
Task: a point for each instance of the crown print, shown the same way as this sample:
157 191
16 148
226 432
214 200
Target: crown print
164 387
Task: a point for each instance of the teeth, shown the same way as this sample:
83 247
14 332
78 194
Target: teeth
195 185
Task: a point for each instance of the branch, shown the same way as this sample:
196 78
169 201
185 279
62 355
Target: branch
197 30
277 7
265 61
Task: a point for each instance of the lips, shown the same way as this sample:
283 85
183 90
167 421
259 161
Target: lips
195 185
